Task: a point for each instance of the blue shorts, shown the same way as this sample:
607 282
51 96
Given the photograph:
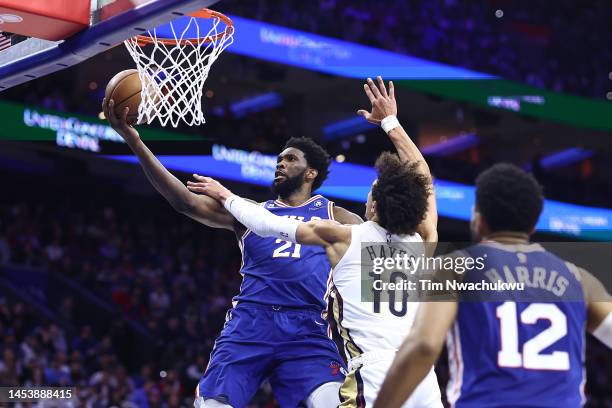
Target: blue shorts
290 348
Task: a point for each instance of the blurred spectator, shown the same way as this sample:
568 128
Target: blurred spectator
159 302
57 374
10 367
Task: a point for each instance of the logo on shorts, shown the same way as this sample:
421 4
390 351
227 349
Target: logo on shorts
335 367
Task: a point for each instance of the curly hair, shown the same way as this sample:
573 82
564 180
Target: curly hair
316 157
401 194
509 198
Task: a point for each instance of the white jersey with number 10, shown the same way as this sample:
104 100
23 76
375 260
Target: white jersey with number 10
372 330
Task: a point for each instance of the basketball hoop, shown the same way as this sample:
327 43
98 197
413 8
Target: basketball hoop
173 62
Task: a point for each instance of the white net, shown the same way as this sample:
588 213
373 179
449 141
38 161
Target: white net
173 75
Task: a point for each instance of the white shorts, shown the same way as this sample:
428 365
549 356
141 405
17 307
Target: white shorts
365 378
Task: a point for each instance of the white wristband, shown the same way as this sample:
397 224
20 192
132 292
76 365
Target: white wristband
389 123
228 202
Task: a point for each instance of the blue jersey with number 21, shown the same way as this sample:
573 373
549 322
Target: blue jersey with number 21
281 273
526 350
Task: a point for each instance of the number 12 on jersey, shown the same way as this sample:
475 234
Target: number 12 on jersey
532 357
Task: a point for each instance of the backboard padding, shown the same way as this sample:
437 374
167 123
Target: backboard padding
111 25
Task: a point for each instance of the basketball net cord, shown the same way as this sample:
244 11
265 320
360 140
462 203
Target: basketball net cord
173 75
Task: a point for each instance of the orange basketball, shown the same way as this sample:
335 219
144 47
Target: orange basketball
125 89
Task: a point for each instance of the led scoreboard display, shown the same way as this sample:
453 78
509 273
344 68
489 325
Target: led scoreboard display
346 181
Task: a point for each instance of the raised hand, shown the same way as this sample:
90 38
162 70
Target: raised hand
210 187
383 103
119 122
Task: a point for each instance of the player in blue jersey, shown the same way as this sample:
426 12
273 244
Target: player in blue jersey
514 348
275 330
400 209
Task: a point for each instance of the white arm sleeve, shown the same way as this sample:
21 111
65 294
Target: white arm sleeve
261 221
603 332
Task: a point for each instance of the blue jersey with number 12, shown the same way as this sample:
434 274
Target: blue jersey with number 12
526 350
281 273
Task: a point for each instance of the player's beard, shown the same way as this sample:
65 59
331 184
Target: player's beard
288 186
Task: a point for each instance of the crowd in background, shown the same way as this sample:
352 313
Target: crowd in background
36 353
153 265
558 46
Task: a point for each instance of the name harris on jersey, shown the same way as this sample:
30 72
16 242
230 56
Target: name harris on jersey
532 276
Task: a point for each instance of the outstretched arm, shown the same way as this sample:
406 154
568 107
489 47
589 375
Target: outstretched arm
384 112
200 208
261 221
417 354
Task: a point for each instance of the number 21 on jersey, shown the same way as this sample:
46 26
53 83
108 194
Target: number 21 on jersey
289 249
286 250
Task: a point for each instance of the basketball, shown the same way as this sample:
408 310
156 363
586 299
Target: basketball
124 88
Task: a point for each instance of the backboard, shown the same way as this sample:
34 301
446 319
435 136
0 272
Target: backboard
112 22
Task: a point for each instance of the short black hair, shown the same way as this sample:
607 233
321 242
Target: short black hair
401 194
316 157
509 198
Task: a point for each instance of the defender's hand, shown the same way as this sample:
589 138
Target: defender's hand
119 122
209 187
383 103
